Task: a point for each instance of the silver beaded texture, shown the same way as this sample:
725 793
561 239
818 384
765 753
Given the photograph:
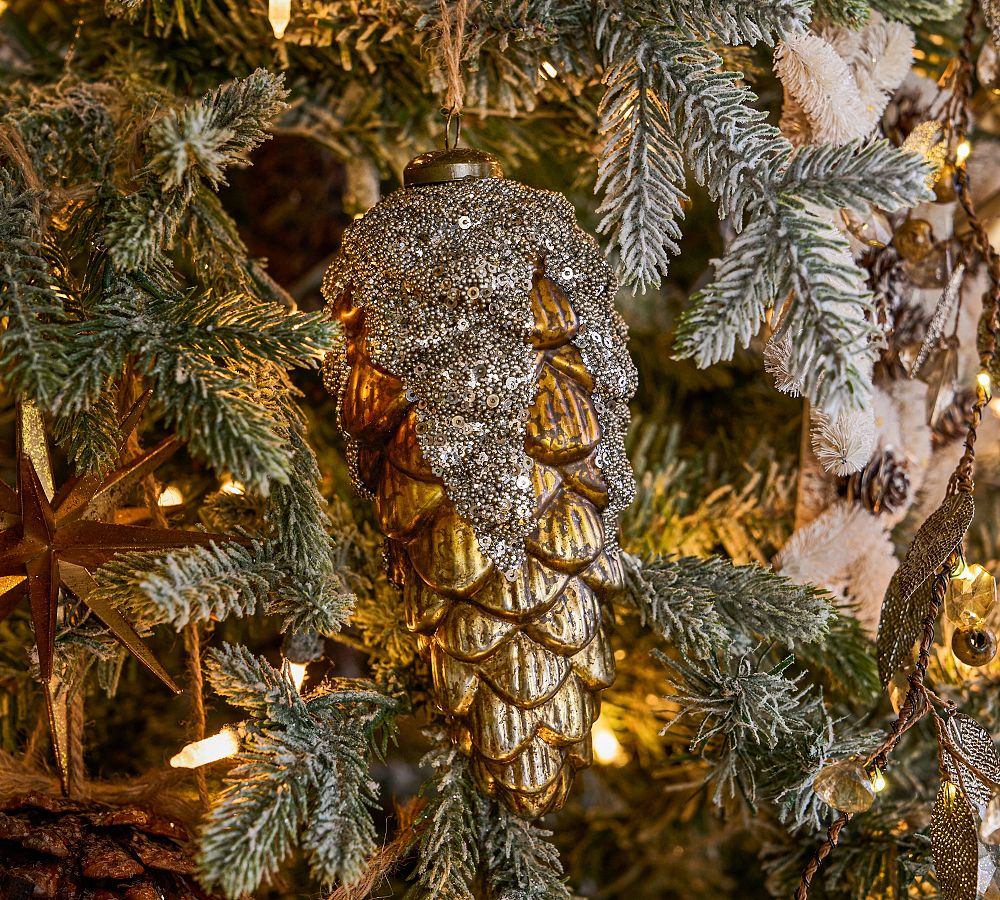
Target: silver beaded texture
443 273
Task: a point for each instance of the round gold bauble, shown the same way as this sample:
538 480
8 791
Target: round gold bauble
974 646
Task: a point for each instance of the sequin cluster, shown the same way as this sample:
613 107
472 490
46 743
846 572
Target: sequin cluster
443 273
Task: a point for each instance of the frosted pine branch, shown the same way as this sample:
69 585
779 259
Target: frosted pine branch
701 606
463 834
195 585
641 173
917 11
91 438
303 768
185 345
863 172
522 864
31 344
743 21
750 170
204 139
760 603
683 614
185 146
448 848
737 716
832 344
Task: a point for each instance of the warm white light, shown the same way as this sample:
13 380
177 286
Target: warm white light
233 487
279 14
549 70
298 673
607 749
984 381
878 781
206 751
171 496
962 152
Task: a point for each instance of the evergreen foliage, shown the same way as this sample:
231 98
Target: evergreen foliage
468 844
302 774
758 182
121 270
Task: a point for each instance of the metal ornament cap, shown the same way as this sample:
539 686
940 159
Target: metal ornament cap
456 164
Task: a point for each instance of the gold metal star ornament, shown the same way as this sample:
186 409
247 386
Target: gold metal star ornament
55 539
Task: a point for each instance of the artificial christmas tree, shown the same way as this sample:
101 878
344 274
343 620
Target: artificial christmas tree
803 189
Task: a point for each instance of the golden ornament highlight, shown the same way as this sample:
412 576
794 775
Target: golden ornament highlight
971 596
846 786
484 394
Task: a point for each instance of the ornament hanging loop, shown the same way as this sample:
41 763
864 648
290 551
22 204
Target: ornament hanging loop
452 127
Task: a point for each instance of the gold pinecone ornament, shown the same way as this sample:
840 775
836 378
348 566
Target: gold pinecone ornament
483 389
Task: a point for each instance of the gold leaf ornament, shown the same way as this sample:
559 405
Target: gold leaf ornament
955 844
908 595
976 745
899 627
935 540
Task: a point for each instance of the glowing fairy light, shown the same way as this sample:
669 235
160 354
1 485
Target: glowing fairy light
298 673
279 14
206 751
878 781
607 750
962 152
549 70
170 496
233 487
985 383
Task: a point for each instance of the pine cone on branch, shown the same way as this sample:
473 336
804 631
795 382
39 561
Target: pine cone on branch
53 847
954 421
882 486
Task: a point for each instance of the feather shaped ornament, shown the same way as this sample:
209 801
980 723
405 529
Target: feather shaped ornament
484 393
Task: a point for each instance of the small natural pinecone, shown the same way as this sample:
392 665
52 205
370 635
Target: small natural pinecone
903 323
954 421
51 847
881 486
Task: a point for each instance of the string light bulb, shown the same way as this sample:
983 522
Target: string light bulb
279 14
548 70
237 488
170 496
878 781
986 383
209 750
607 749
962 152
298 673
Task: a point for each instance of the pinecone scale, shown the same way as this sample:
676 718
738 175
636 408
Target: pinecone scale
52 847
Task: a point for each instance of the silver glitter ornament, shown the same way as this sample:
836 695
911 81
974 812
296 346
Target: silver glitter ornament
483 389
443 273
